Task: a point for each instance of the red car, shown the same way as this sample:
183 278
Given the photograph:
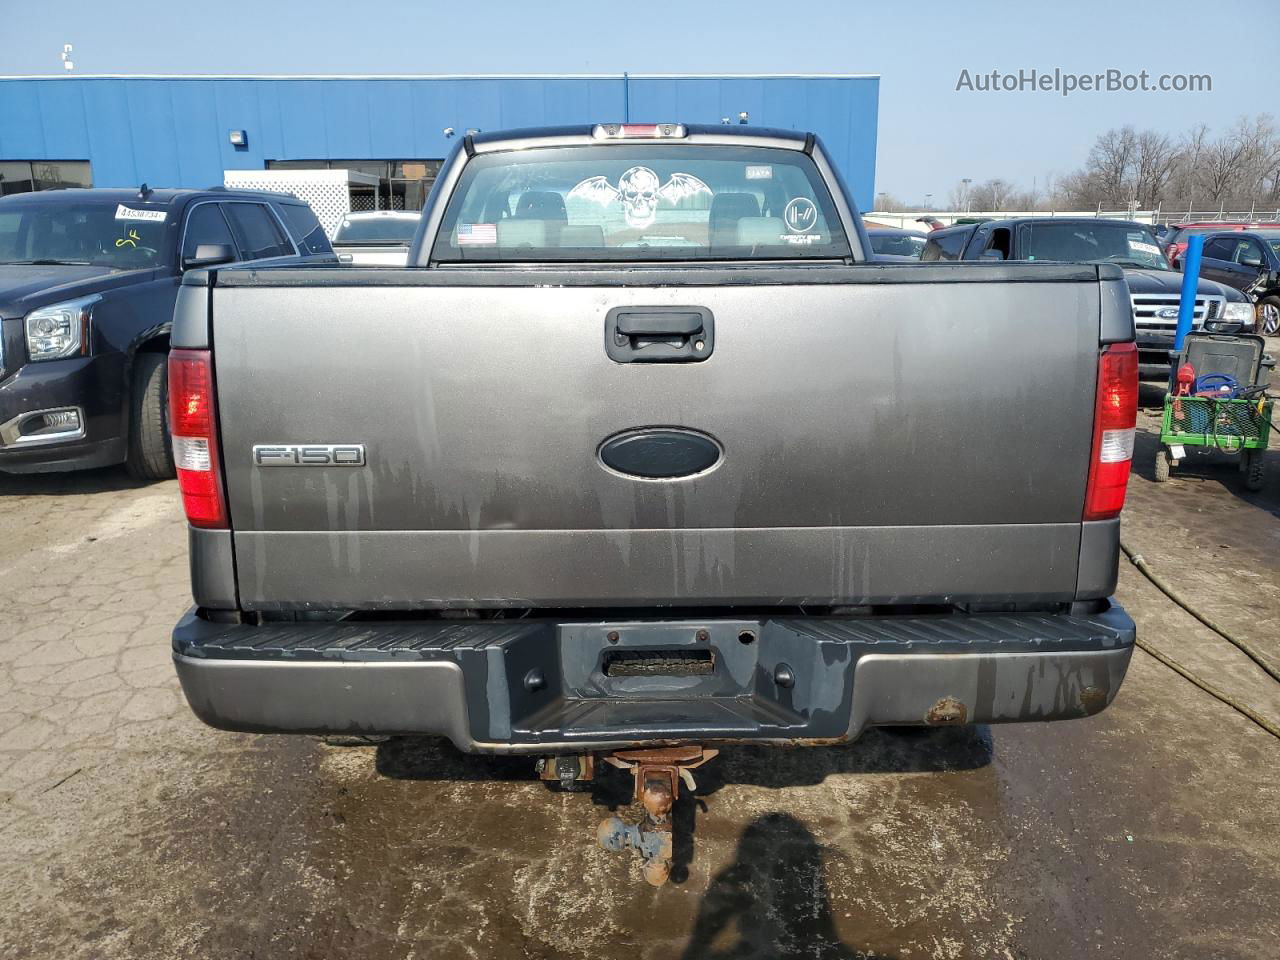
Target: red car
1175 241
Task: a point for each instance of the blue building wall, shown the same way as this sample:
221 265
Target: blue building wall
173 131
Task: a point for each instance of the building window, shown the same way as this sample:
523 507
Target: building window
402 184
24 176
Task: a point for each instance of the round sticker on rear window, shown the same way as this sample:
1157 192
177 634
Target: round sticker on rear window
801 215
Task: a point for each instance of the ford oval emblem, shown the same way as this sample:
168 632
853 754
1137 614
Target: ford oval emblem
1167 313
660 453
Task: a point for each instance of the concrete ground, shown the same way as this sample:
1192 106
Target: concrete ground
128 830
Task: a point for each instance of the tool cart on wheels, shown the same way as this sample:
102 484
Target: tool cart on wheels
1217 402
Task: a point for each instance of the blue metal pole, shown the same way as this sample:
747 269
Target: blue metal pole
1190 283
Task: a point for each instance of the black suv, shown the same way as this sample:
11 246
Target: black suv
1248 260
88 280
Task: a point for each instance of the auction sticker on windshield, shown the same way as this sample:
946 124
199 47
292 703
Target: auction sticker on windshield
1142 247
129 213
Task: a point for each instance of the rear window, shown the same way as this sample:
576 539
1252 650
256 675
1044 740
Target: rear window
256 231
945 245
376 230
897 244
306 228
1182 233
640 202
1272 239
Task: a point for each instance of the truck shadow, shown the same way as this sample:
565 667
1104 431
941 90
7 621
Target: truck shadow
907 750
1151 395
772 902
1221 469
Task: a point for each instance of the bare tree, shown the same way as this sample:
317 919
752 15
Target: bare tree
1156 158
888 203
1240 167
958 196
993 194
1154 168
1111 160
1222 166
1262 149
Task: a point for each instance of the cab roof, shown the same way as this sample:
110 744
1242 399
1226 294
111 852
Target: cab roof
166 196
694 133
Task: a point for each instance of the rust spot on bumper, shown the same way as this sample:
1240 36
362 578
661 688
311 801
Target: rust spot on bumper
1092 700
947 712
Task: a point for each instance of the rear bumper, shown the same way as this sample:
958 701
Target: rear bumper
544 686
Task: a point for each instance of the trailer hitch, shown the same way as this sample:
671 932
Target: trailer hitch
658 774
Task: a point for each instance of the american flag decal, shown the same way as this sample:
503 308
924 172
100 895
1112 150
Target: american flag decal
477 233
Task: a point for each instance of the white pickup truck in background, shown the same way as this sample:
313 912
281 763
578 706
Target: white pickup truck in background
379 238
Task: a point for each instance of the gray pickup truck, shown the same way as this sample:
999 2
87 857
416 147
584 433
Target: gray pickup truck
641 456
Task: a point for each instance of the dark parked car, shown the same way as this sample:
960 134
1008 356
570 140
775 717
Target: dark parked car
1175 241
1155 288
88 280
892 243
1250 262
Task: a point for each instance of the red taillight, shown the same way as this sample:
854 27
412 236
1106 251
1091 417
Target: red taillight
193 423
1115 416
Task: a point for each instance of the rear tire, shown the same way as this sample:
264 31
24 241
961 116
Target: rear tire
1162 465
1255 470
150 456
1269 316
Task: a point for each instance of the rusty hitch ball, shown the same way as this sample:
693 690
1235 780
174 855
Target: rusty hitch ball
657 795
658 774
654 847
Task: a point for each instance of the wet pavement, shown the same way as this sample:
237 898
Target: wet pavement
129 830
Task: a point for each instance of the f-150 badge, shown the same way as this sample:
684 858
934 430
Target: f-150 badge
639 191
308 455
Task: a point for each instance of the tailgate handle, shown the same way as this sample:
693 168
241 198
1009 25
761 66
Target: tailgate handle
659 334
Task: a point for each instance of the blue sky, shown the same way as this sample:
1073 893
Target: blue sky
930 135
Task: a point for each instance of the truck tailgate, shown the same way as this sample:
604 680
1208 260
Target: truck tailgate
887 436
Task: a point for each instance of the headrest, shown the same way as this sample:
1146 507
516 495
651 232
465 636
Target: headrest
541 205
731 206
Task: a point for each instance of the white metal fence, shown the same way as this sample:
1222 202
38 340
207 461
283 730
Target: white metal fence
1163 214
910 219
331 193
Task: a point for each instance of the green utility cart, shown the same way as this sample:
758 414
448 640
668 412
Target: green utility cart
1237 422
1237 427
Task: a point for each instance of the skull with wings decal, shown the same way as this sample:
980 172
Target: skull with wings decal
639 190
